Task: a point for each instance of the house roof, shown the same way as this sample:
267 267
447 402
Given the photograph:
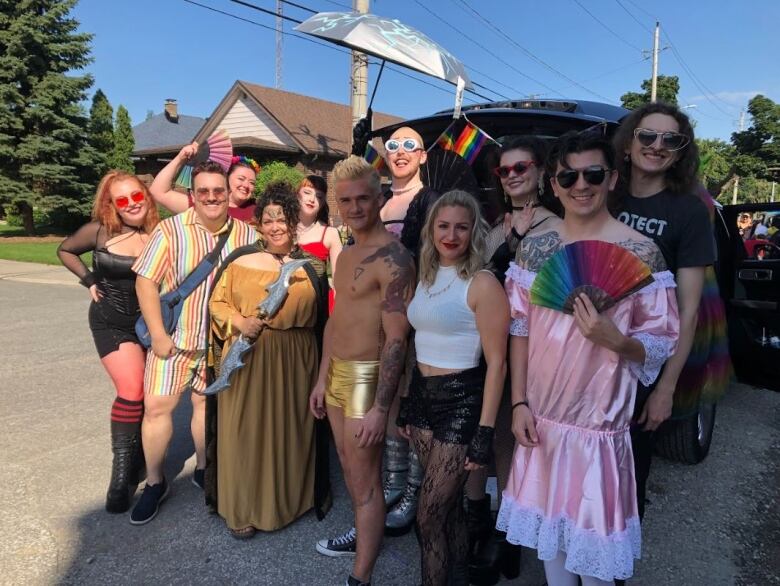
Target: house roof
159 134
318 126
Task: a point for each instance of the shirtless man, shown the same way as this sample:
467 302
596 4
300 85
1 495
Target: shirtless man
364 352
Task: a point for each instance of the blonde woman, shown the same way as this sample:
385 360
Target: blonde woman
459 313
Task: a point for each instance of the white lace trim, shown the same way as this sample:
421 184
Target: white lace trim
657 350
519 327
521 277
661 280
605 557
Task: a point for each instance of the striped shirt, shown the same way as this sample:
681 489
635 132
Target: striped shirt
174 249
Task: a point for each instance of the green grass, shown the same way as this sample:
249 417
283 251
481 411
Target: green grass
39 252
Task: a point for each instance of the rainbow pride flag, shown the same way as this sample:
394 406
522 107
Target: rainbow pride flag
468 144
373 157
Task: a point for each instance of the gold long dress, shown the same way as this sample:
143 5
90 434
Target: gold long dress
265 453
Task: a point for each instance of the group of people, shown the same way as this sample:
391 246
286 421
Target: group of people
433 351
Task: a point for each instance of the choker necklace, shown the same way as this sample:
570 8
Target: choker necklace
520 208
306 229
279 256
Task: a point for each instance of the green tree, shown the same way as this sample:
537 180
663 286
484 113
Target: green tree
124 143
715 163
758 147
43 147
667 89
101 131
274 171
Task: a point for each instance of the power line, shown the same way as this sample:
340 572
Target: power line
266 11
636 20
298 6
488 23
635 5
488 51
339 4
617 36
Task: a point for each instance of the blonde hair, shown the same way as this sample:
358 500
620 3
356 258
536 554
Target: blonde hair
472 261
354 168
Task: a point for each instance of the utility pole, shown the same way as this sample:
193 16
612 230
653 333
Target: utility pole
654 79
736 177
279 37
359 73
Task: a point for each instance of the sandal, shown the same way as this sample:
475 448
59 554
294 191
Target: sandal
245 533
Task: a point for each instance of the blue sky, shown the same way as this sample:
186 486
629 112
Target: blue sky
148 50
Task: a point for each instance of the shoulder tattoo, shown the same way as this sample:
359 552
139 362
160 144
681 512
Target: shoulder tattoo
535 250
398 262
648 252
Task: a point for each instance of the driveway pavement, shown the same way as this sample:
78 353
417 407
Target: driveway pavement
715 524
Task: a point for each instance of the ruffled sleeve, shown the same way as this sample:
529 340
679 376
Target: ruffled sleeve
655 322
518 282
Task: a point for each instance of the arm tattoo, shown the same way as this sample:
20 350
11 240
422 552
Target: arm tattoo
391 366
535 250
399 262
648 252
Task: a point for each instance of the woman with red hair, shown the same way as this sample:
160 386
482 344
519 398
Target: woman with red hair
123 215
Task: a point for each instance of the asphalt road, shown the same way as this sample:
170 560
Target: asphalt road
717 523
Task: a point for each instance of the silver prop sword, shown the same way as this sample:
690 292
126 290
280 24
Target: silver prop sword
267 308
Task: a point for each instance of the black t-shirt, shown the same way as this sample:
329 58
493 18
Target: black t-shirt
679 224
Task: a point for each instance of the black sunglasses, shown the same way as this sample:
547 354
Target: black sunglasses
671 141
594 175
519 168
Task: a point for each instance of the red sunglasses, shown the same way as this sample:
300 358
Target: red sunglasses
519 168
123 201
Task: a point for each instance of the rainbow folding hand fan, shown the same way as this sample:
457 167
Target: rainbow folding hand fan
217 148
605 272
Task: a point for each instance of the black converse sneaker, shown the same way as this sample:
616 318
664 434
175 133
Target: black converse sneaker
343 545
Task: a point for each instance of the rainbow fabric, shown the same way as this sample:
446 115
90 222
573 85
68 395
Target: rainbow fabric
468 144
708 370
373 157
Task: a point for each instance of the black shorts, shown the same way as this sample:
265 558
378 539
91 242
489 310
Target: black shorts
111 327
449 405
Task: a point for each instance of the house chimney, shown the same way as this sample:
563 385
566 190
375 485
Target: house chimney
171 110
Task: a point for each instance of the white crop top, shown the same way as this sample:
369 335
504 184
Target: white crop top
445 327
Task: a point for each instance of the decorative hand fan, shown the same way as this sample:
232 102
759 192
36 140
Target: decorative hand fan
605 272
217 148
446 170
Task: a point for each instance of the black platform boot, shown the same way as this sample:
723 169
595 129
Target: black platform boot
126 446
482 569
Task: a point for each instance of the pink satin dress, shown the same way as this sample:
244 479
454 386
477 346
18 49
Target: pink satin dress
575 492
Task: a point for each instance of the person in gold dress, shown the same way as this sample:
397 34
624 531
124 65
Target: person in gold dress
262 473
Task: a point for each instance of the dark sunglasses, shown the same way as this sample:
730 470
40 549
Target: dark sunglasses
594 175
671 141
123 201
408 144
519 168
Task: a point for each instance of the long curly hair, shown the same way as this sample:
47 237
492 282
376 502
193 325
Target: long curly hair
105 212
472 261
279 193
681 176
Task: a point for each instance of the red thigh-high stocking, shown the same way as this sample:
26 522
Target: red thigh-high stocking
125 366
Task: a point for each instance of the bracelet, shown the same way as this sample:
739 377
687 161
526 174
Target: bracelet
520 403
481 446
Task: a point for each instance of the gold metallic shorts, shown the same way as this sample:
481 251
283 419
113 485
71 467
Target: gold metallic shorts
352 385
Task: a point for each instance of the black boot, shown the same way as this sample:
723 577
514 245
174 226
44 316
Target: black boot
495 557
126 446
483 570
509 558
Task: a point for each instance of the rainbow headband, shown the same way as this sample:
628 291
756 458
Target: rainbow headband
246 161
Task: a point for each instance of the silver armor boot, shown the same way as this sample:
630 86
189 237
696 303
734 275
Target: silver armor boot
396 467
401 517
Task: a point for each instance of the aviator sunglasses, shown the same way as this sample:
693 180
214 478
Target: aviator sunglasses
594 175
123 201
671 141
519 168
408 144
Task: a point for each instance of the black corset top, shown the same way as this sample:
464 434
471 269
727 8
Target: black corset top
116 280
